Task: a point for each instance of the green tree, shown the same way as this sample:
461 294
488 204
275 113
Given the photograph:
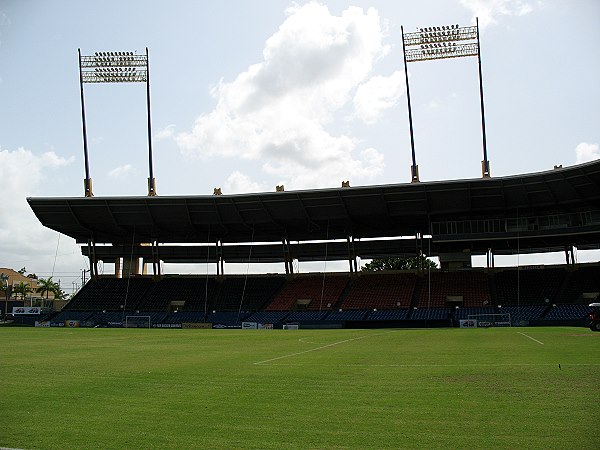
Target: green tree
47 286
420 262
60 294
23 289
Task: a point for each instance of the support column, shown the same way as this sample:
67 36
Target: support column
219 258
419 248
93 260
118 268
155 260
287 257
349 253
490 258
570 255
352 255
131 266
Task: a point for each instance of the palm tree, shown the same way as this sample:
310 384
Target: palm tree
59 294
23 289
46 286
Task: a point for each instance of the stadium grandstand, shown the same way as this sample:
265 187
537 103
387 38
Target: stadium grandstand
557 210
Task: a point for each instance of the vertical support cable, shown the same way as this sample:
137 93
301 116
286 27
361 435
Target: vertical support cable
206 281
55 255
247 271
324 271
429 276
128 275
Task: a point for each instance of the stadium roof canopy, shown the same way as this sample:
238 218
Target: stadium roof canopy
543 210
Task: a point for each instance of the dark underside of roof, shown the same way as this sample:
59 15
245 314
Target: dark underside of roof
570 195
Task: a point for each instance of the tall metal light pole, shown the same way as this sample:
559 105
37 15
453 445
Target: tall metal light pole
485 164
115 67
151 180
414 170
87 183
448 41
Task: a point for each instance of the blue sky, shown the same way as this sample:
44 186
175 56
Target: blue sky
249 95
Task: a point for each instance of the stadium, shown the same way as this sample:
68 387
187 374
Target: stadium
549 211
435 355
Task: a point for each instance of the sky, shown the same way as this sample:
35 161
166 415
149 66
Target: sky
247 95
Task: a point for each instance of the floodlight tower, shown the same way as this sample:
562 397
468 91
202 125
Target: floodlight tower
448 41
115 67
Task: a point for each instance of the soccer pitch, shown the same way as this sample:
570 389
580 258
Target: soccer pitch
273 389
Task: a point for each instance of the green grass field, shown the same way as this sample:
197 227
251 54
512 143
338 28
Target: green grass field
273 389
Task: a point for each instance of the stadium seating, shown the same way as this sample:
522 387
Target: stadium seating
106 318
226 317
380 291
552 294
268 316
568 312
185 317
196 292
464 313
345 315
387 314
110 294
62 316
248 293
305 316
472 286
585 280
528 286
431 314
527 312
321 293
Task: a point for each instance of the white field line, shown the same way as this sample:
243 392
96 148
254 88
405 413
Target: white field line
564 365
321 347
533 339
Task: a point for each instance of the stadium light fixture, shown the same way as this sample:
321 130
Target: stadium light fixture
447 41
115 67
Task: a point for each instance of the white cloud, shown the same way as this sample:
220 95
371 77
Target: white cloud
239 183
489 11
277 110
121 171
5 24
23 240
166 132
21 171
376 95
432 105
587 152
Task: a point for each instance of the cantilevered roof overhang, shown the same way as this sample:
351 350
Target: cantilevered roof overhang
324 214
